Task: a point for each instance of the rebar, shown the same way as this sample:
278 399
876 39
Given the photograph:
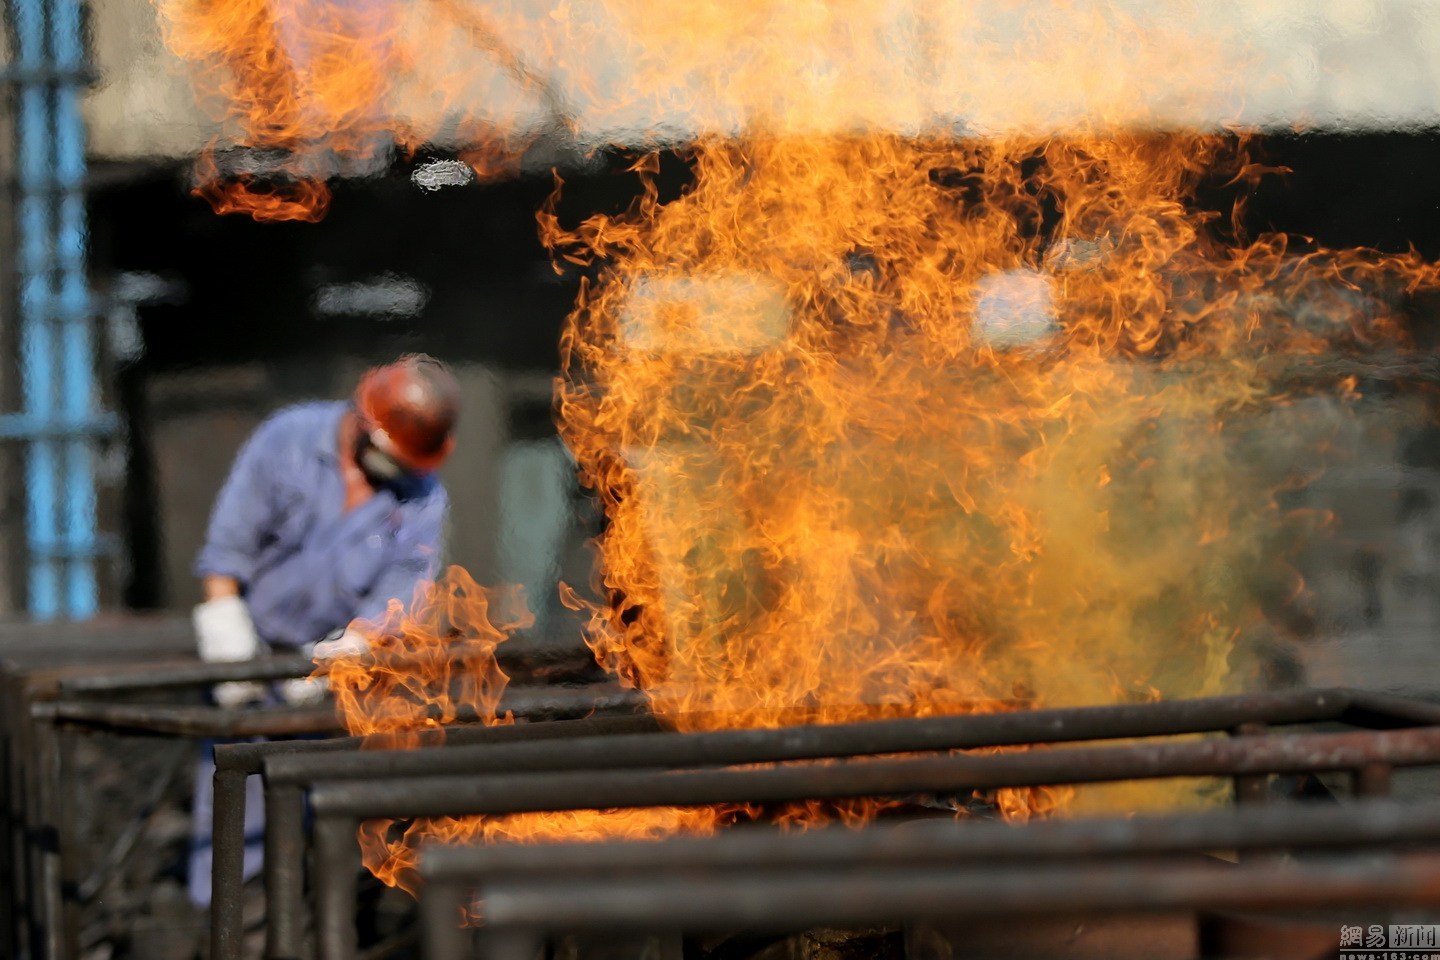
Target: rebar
461 796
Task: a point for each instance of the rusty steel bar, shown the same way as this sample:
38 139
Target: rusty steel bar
67 842
198 720
227 859
284 872
284 835
342 805
458 796
45 842
443 906
187 672
1254 788
251 756
15 906
25 814
792 743
795 899
9 943
1362 823
1373 780
817 741
1368 708
336 885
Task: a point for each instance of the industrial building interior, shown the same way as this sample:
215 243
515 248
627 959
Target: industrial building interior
144 337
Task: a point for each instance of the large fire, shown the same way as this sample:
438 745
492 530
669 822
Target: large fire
937 392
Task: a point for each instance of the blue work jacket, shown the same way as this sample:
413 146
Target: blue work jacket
306 567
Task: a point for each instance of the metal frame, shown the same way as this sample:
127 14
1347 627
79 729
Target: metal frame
40 713
520 911
340 804
758 878
285 801
42 710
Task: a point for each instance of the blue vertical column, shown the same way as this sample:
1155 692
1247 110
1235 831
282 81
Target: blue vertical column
60 420
36 288
73 313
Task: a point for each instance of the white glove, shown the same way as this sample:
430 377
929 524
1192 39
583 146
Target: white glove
238 693
224 633
224 630
351 643
306 691
303 691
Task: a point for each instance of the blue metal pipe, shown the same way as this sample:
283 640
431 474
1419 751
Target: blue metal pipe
32 137
77 362
57 368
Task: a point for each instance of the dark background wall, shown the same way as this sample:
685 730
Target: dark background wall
229 326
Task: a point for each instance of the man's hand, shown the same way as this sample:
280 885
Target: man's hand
224 633
351 643
306 691
224 630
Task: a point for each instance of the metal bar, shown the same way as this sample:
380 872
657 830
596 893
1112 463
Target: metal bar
251 756
189 721
1256 787
228 839
37 76
74 362
956 842
304 765
797 899
22 426
9 943
512 944
67 783
34 135
816 741
284 830
48 683
178 673
1372 709
229 723
442 909
451 872
284 868
17 796
338 862
458 796
1373 780
21 745
45 838
76 549
351 801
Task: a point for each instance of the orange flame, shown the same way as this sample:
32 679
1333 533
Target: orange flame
938 392
898 426
425 665
289 78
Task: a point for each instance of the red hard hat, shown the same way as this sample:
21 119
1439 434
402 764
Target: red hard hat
409 407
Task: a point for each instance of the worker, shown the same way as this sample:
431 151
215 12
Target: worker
331 510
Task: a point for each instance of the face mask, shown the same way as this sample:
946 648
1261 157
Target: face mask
377 465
